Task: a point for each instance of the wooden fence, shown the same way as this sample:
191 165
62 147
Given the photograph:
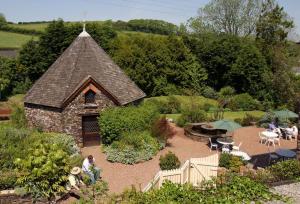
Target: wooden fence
194 171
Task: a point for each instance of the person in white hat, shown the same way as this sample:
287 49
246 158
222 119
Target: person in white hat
75 179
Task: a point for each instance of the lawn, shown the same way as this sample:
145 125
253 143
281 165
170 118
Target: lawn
231 115
187 100
14 40
33 26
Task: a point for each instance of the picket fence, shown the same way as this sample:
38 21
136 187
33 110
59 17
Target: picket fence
194 171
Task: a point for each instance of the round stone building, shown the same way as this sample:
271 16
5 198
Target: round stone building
70 95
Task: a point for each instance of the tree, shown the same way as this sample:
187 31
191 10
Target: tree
271 36
236 17
3 21
159 65
216 53
249 73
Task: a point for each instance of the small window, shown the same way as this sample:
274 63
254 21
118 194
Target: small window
90 96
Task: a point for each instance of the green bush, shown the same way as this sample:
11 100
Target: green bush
45 170
18 118
243 102
285 170
115 121
246 121
132 148
235 189
209 92
169 161
13 143
66 142
230 162
8 179
171 105
192 115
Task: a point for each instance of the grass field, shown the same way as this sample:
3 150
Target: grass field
36 26
14 40
231 115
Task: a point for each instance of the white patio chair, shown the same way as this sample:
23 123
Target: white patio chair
270 141
262 138
213 145
237 148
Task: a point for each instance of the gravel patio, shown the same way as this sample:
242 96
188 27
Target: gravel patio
121 176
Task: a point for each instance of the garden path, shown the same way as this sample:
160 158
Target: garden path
121 176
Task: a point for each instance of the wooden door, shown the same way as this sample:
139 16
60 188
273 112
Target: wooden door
90 130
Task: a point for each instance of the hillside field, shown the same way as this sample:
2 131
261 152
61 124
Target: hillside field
33 26
14 40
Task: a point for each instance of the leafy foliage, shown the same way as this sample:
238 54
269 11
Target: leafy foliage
230 189
115 121
243 102
169 161
18 117
158 65
192 115
45 170
8 179
152 26
230 162
64 141
133 147
285 170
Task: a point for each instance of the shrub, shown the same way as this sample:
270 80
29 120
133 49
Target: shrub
132 148
115 121
8 179
13 143
284 170
230 162
170 105
64 141
192 116
76 160
246 121
18 118
45 170
209 92
235 189
243 102
169 161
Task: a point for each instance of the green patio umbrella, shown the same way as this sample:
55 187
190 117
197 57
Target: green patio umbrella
228 125
285 114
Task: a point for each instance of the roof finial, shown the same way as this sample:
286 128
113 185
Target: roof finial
84 33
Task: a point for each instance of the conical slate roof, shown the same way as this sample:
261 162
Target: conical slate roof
84 58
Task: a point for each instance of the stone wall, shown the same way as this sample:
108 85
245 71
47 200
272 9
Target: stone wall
72 114
69 119
46 118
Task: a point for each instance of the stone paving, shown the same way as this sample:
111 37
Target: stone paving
290 190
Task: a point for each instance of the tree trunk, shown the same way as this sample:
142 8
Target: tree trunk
298 147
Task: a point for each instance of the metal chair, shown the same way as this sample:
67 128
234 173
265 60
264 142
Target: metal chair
262 138
213 145
237 148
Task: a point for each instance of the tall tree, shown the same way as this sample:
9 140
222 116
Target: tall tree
236 17
272 30
159 65
2 20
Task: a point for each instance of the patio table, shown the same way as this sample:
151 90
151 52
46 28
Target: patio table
226 142
285 153
242 154
269 134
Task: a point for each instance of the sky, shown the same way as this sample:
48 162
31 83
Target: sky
174 11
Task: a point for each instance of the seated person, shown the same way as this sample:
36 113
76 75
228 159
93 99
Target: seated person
75 180
90 169
272 126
